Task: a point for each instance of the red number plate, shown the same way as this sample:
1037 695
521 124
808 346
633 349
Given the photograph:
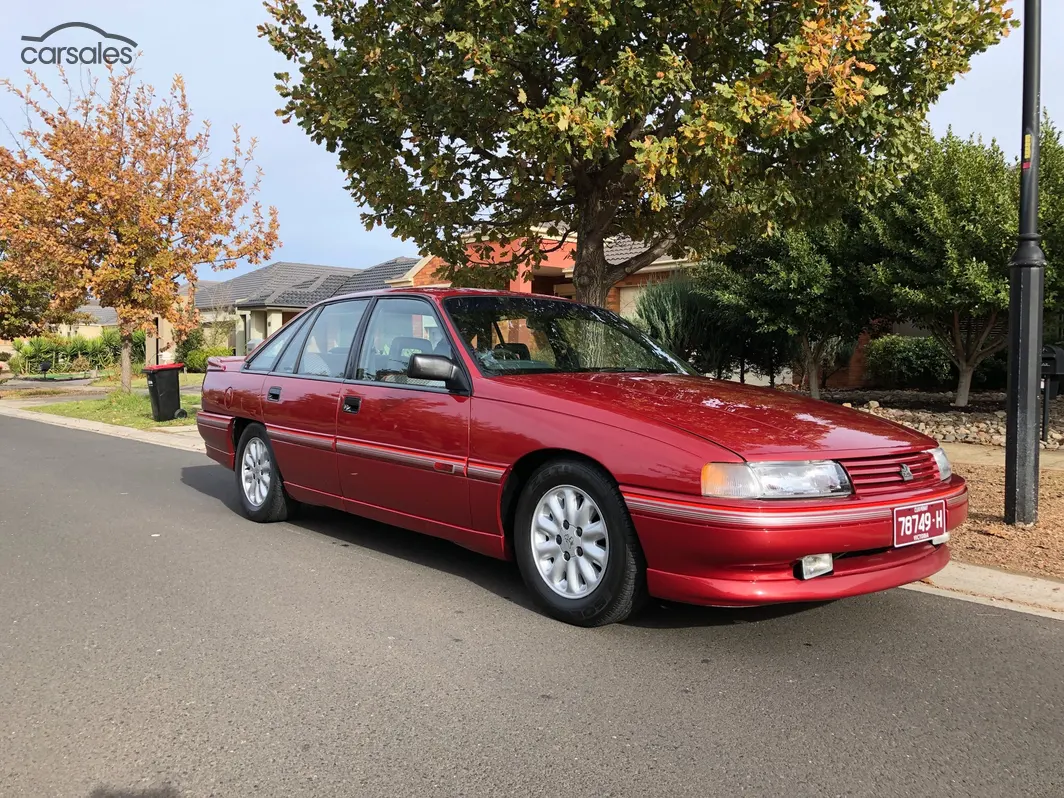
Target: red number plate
917 523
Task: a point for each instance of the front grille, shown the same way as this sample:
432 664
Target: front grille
883 475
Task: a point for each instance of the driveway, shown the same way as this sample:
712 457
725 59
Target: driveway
154 642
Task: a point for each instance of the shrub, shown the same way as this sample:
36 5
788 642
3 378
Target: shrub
193 342
17 365
80 364
112 343
5 356
992 373
139 349
906 362
196 361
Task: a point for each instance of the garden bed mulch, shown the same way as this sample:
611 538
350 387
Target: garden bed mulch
986 539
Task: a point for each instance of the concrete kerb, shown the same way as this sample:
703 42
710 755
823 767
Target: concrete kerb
992 587
189 439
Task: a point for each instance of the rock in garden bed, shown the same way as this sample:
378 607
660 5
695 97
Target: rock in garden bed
982 423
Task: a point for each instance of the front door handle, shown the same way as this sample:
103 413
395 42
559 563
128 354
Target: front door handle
352 404
274 394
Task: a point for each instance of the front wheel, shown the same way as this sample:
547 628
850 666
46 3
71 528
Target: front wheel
576 547
258 480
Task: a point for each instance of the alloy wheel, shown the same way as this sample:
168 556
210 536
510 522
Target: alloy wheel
570 541
255 472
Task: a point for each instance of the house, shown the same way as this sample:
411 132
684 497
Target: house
554 275
98 319
256 304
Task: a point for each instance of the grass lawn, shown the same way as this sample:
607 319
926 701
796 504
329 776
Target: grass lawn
140 381
986 539
121 409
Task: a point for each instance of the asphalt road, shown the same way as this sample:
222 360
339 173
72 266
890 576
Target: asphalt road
154 642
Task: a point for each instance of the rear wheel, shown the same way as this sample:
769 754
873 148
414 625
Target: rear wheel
576 547
258 480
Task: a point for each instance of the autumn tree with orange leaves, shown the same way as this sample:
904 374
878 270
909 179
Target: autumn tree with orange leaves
113 194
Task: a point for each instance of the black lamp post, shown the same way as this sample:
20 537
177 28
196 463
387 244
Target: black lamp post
1027 269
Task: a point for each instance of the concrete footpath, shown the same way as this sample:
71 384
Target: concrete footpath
995 455
1006 590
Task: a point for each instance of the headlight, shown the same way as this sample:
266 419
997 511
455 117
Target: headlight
816 478
945 470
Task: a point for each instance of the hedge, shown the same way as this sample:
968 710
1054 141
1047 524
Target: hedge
900 362
908 362
196 359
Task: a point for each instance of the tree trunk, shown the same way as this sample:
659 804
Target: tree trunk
965 372
742 370
127 362
811 356
589 274
812 375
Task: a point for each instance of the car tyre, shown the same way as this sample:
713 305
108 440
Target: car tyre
620 588
259 484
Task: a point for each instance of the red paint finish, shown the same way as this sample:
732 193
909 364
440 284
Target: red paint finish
405 450
217 433
441 463
302 429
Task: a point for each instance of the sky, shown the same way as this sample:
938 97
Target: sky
229 70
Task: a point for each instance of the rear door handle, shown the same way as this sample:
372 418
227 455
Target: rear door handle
274 394
352 404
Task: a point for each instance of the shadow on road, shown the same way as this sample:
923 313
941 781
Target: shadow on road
164 790
498 577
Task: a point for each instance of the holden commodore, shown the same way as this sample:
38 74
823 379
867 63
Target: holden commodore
560 436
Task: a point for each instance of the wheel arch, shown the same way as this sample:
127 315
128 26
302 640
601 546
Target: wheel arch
521 472
239 425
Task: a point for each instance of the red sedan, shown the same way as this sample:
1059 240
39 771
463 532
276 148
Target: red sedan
558 435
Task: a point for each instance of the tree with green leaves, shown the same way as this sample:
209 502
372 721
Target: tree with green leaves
1051 218
678 126
802 285
25 304
943 243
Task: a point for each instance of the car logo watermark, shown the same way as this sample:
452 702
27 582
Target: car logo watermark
100 54
906 473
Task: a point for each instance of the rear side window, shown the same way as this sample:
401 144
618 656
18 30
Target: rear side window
329 342
295 345
264 359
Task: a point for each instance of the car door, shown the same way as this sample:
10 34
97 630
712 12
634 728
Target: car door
401 443
301 396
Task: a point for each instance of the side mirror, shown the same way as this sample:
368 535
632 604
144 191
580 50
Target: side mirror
434 368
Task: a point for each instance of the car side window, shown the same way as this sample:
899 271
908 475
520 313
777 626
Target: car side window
400 328
328 344
288 360
264 359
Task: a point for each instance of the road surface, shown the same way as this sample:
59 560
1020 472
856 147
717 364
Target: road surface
154 642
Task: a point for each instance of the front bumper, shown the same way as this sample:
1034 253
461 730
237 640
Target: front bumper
727 554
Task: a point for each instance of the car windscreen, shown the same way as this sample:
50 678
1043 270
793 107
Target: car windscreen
510 335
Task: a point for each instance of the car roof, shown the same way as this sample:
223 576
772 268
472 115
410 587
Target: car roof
440 293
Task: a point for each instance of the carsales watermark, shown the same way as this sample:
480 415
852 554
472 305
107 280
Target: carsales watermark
48 49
